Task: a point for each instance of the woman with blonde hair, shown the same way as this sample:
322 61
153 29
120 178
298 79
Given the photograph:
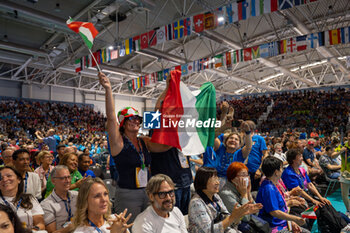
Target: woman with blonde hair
228 149
71 161
93 212
44 170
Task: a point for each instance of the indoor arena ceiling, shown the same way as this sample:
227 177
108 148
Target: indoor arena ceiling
37 47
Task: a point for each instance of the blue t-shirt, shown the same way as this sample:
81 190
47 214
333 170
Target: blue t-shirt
303 135
224 159
256 153
291 179
209 157
307 154
51 142
87 173
271 199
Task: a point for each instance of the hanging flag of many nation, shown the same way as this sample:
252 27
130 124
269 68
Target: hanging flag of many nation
285 4
144 40
87 31
161 34
198 21
78 65
209 21
243 10
301 43
152 36
178 29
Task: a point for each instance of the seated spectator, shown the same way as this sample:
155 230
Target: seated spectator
60 153
311 161
274 208
162 215
207 212
7 156
60 205
329 165
93 212
27 207
32 183
279 154
71 161
45 168
9 221
314 133
84 162
34 159
294 176
237 190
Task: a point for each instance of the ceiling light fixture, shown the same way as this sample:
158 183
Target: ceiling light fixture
270 77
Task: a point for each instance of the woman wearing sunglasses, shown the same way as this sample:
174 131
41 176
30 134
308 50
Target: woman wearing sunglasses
130 153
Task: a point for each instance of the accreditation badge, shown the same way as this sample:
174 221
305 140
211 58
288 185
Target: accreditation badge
141 177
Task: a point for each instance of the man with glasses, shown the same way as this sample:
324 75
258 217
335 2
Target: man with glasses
60 206
162 215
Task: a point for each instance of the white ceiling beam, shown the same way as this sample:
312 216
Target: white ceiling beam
264 61
21 68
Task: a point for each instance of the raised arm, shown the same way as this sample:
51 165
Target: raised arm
115 138
162 96
248 143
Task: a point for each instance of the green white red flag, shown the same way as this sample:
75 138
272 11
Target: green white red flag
86 30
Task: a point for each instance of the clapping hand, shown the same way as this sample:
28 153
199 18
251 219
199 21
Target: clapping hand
120 223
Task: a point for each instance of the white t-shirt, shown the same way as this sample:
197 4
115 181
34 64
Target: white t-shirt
90 229
150 222
33 185
25 215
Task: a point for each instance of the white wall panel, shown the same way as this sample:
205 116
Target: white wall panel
10 89
41 92
62 94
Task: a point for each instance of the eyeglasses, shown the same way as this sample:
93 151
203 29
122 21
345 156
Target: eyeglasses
49 157
63 178
162 195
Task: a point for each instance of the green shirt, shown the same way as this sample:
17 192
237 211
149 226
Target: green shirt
75 177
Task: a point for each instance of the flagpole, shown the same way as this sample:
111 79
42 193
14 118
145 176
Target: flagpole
93 57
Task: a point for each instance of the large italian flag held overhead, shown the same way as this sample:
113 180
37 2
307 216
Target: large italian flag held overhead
180 104
86 30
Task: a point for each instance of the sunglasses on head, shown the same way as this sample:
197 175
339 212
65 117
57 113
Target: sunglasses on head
132 118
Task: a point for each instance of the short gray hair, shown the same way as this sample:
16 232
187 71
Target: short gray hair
58 168
156 181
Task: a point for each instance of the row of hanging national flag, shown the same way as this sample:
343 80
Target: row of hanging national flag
230 13
275 48
101 56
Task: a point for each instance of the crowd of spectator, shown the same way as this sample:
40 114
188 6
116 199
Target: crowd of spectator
321 110
245 183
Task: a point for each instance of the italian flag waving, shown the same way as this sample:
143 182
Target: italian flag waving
188 118
86 30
